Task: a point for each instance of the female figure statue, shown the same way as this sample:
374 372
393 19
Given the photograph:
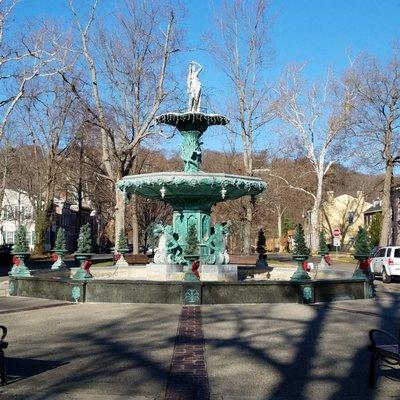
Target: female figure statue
194 87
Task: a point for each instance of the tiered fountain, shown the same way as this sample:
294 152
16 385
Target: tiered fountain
191 237
192 193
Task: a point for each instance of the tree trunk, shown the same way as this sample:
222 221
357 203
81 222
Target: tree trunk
395 217
280 231
247 226
135 226
314 219
386 205
119 215
42 223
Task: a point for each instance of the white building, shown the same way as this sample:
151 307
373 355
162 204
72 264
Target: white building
16 209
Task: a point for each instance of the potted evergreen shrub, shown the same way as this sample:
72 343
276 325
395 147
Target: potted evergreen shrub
60 249
191 253
20 250
192 244
262 257
122 248
84 253
300 254
323 251
362 253
323 248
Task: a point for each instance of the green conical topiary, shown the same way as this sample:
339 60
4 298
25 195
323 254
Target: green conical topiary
375 229
261 243
122 242
192 243
300 247
85 240
21 244
362 244
61 242
323 248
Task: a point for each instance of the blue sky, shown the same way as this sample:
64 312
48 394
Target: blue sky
318 31
321 32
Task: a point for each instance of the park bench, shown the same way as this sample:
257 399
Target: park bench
136 258
239 259
3 345
389 353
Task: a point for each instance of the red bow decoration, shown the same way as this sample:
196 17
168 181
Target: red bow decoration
195 267
328 259
54 257
305 266
86 265
16 261
364 264
117 256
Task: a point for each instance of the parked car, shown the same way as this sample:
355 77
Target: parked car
386 262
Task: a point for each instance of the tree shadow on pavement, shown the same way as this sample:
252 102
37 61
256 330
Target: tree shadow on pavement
320 357
127 355
388 321
23 368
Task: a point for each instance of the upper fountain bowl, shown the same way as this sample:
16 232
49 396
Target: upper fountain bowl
187 121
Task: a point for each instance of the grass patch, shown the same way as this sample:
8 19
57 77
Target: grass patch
108 263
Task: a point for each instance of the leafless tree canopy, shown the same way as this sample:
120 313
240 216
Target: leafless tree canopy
78 103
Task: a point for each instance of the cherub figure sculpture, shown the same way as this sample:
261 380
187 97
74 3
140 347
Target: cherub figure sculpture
216 246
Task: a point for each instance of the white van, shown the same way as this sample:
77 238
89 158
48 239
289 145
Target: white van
386 262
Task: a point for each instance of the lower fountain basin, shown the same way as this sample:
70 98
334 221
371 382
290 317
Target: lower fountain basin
194 293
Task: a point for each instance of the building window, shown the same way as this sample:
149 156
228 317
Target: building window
31 237
7 213
9 236
26 212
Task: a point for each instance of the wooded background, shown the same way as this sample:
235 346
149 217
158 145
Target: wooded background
78 101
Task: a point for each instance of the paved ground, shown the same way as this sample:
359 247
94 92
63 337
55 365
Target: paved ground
126 351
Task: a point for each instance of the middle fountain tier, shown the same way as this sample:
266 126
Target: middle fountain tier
191 193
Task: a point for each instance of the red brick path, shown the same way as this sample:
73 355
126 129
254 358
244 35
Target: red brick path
188 373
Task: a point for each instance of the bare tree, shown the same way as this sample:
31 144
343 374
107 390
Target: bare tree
26 56
375 110
317 119
48 117
128 68
281 201
240 48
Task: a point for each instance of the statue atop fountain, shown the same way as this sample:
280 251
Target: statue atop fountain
194 87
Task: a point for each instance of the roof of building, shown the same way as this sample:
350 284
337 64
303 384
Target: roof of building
374 209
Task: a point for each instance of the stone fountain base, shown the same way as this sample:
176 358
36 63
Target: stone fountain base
219 273
164 272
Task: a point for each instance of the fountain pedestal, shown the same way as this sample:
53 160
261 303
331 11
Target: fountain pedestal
164 272
224 273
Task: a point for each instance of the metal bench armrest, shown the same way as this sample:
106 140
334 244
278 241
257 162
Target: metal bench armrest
373 332
4 329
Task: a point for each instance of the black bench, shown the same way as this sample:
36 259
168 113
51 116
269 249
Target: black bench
3 345
389 353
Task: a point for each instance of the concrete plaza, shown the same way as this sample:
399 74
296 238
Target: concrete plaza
123 351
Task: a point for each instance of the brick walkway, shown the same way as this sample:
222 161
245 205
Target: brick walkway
188 373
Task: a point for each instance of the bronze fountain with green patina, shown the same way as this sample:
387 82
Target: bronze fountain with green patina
191 192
